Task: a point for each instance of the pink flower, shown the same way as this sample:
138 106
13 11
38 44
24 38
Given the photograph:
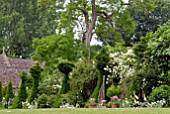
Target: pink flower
114 98
92 99
103 101
119 100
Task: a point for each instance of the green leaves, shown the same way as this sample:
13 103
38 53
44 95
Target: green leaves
160 93
102 59
22 21
150 16
10 94
152 55
36 74
65 67
83 78
51 48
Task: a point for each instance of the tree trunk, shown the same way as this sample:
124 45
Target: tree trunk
90 26
102 90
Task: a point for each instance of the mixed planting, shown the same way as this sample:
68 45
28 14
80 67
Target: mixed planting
130 69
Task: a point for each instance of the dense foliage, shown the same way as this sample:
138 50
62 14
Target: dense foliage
35 73
160 93
9 93
74 71
114 91
150 20
22 21
22 93
152 59
83 80
9 97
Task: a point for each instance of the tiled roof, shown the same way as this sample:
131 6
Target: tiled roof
10 68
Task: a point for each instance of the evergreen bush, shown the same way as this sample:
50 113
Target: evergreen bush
97 88
35 73
160 93
65 67
58 101
22 93
42 101
114 91
83 80
51 100
102 59
9 95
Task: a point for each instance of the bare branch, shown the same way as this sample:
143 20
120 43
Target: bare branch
106 16
126 4
86 16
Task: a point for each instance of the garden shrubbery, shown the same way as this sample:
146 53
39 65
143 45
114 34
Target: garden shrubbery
114 91
160 93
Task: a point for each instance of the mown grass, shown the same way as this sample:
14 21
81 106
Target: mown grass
88 111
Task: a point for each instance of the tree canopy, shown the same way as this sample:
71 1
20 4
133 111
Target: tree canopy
22 21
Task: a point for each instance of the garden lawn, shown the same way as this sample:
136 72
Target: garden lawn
88 111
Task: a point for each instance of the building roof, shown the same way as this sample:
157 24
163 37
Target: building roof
10 68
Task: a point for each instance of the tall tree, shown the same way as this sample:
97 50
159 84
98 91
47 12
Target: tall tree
95 16
152 54
21 21
51 49
150 20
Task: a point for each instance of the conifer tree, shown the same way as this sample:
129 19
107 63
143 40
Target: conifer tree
22 93
10 94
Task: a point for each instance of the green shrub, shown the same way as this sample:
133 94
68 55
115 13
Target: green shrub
22 93
57 101
4 90
42 101
10 93
102 59
29 82
49 86
35 73
114 91
51 100
83 79
65 67
97 88
159 93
